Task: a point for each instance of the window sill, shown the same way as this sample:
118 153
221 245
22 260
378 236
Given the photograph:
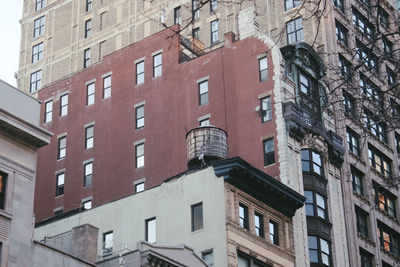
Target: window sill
198 231
5 214
387 215
60 159
59 196
366 239
270 165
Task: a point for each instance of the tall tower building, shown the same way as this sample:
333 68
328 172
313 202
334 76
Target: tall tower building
120 88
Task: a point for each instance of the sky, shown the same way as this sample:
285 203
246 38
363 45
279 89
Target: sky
10 31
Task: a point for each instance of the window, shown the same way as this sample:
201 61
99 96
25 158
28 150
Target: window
48 113
341 34
377 128
383 17
370 90
357 178
364 54
90 94
273 233
86 58
139 150
157 65
139 117
379 162
289 4
352 142
213 5
214 31
60 184
195 9
89 137
177 15
319 250
208 257
259 224
367 3
37 52
88 28
3 182
395 108
204 122
366 258
388 239
88 5
362 23
266 109
196 33
87 205
36 81
247 261
345 67
339 4
140 72
362 222
315 204
88 168
197 216
139 187
263 69
243 216
38 27
107 87
62 147
311 161
387 46
269 153
397 141
58 211
64 105
391 76
384 200
151 230
40 4
108 242
102 16
294 30
203 93
349 104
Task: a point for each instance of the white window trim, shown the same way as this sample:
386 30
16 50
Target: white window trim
91 160
203 79
139 104
90 82
156 52
205 117
139 60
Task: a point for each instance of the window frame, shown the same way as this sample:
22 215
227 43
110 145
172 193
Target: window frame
319 250
214 31
48 112
357 178
392 243
62 147
139 157
90 96
89 5
139 73
108 244
362 24
362 222
148 235
38 26
64 105
311 163
139 118
345 67
35 81
263 72
377 129
274 232
339 4
243 220
374 155
40 4
385 200
37 52
366 258
139 187
86 58
349 104
353 143
316 205
177 15
341 33
266 109
157 66
3 190
88 174
294 23
107 87
213 5
259 229
293 4
60 184
269 154
197 216
195 10
89 137
88 28
203 93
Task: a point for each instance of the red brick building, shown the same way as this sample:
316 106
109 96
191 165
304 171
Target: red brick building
118 128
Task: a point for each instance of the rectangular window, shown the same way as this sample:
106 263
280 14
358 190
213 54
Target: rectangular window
36 81
86 58
387 46
64 105
60 184
266 109
349 104
139 187
366 56
196 33
37 52
157 65
107 87
108 242
247 261
319 250
357 178
389 239
214 31
383 17
203 93
102 16
48 113
289 4
341 33
177 15
88 28
345 67
311 161
151 230
259 224
315 204
366 258
90 94
397 141
243 216
385 200
263 69
3 182
140 72
87 205
89 137
204 122
363 24
139 151
294 30
62 147
139 117
197 216
371 90
88 168
88 5
353 144
40 4
376 127
213 5
362 222
38 26
208 257
391 76
269 152
339 4
195 9
273 233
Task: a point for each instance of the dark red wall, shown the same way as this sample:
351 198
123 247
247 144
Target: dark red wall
171 108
